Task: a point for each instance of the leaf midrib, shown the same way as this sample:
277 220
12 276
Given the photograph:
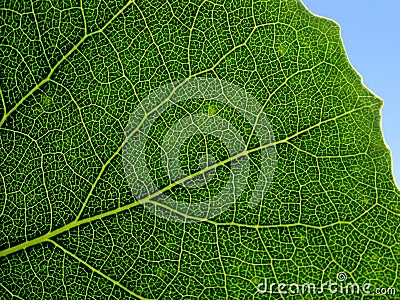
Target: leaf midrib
148 199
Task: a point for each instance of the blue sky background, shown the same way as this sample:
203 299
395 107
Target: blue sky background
371 36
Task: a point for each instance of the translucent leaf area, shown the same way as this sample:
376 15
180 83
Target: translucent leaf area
189 150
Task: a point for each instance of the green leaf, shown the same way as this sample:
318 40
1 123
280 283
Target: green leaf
175 149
